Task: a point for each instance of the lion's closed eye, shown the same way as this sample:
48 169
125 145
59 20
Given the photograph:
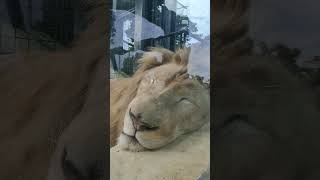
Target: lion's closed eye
183 99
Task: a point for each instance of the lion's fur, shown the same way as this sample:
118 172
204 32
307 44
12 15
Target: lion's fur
42 94
119 102
231 28
266 121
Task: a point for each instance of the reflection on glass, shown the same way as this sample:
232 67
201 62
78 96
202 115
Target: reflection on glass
165 96
138 25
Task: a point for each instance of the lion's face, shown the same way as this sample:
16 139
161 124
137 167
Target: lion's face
167 104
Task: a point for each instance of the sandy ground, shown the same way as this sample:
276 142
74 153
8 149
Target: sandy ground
185 159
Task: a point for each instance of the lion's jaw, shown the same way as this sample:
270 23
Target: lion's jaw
172 110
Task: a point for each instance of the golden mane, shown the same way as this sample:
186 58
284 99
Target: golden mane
149 60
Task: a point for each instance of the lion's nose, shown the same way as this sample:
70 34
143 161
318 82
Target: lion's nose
137 122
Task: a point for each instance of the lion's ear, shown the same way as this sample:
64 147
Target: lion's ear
165 54
155 57
148 62
182 56
158 56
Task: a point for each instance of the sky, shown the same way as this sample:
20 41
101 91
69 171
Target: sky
199 60
199 12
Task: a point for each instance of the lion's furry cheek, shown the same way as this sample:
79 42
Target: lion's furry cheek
155 140
128 126
129 144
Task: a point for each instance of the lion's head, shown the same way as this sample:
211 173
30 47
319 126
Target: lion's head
166 103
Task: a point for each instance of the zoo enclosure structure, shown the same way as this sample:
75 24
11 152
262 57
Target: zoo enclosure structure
170 18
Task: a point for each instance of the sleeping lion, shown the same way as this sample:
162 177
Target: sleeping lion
158 104
53 113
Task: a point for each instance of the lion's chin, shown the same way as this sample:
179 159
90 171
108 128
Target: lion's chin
130 143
